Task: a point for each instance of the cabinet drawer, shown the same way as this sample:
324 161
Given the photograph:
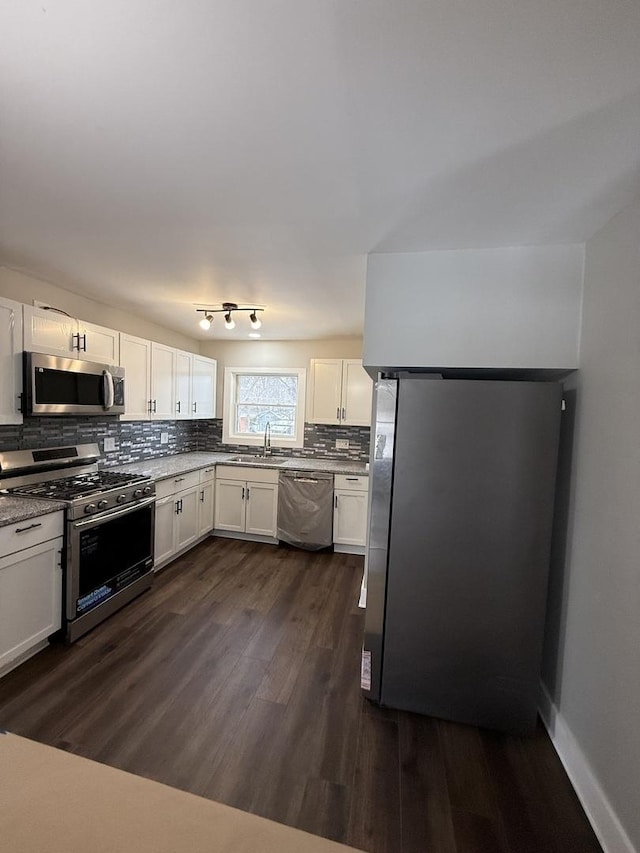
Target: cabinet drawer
352 482
207 474
171 485
32 531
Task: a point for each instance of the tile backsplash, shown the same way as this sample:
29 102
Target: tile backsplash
319 440
136 441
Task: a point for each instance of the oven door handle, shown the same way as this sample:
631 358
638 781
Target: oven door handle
107 387
114 513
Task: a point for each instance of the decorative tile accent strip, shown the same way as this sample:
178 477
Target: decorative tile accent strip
319 441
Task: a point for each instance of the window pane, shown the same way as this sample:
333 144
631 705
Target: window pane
267 389
252 420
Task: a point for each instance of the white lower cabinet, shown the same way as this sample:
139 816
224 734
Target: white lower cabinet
184 513
30 586
247 500
350 509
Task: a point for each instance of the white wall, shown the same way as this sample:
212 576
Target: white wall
25 288
257 353
592 654
514 307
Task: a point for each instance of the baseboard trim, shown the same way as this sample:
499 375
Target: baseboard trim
598 809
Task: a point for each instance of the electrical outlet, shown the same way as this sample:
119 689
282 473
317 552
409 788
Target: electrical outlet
342 444
109 445
164 438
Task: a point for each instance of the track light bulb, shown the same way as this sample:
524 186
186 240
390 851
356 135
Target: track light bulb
254 320
228 321
205 323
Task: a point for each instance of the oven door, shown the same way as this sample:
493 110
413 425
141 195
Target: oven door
70 386
107 553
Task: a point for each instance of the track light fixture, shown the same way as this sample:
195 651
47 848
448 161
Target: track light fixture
206 321
228 308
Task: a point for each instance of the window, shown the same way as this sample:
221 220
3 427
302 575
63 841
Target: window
255 397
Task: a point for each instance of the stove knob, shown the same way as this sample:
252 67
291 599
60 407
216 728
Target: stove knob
147 490
137 493
103 504
121 499
90 508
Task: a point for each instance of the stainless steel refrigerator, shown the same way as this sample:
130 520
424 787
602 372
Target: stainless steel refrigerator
462 485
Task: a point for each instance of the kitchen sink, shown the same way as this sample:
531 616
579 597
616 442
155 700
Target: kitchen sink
257 459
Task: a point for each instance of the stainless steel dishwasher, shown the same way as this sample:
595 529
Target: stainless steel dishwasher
305 509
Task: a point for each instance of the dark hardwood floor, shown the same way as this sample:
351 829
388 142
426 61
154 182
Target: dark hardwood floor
237 678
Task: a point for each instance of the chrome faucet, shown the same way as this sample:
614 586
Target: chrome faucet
266 449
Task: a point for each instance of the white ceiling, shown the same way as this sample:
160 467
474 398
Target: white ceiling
160 153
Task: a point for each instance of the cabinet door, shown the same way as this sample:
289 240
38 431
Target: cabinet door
357 393
165 530
230 505
262 509
325 398
205 507
350 518
184 383
163 382
50 332
97 343
10 361
203 400
30 598
135 357
187 517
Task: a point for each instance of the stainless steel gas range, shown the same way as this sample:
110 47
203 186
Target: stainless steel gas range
109 530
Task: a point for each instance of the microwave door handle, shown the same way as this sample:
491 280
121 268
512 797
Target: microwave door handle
107 380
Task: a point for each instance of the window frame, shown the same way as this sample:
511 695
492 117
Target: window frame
229 403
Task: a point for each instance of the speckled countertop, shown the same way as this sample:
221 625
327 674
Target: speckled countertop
13 510
181 463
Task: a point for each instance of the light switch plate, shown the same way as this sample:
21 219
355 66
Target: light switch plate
109 445
164 438
342 443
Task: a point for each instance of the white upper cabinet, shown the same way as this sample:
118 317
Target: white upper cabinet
325 391
184 384
340 392
163 382
135 357
203 399
357 393
52 332
97 343
10 361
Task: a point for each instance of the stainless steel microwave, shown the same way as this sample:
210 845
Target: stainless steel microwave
54 385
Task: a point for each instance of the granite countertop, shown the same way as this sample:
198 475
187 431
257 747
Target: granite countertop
13 510
181 463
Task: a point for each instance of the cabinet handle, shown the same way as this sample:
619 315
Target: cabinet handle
247 492
30 527
195 408
353 479
338 413
84 343
344 414
335 501
75 344
202 496
243 493
179 506
154 407
150 406
179 480
178 406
